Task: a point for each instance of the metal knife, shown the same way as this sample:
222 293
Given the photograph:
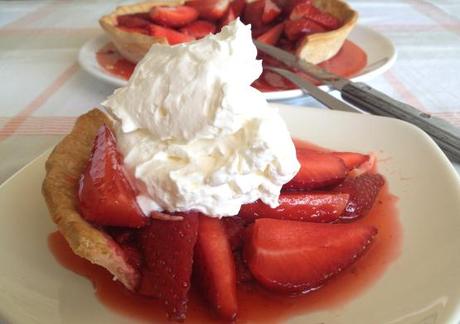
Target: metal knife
446 135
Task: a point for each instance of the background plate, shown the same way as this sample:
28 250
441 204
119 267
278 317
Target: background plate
380 51
421 286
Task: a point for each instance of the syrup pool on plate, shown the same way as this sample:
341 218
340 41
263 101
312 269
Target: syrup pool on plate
255 303
349 61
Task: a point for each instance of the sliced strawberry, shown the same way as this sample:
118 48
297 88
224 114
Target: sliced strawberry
301 10
352 160
215 267
260 12
126 238
238 7
243 274
210 9
305 10
199 29
289 5
271 11
272 35
363 190
253 13
297 257
317 170
168 248
286 44
133 21
173 16
276 81
294 29
172 37
227 18
105 193
235 228
258 31
299 206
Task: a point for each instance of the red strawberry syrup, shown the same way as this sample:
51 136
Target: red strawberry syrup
347 62
256 304
111 61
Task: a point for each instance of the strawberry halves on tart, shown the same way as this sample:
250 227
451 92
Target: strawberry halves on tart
297 257
168 248
105 194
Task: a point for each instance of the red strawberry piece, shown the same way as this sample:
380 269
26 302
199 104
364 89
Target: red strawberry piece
238 7
271 11
168 248
299 206
126 238
215 267
199 29
301 10
133 255
228 18
242 271
105 193
210 9
172 36
317 170
294 29
272 35
253 13
173 16
235 228
277 81
258 31
352 160
297 257
289 5
363 191
132 21
286 44
305 10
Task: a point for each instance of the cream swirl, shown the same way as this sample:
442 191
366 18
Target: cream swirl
195 134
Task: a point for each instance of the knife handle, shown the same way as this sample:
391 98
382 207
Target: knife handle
446 135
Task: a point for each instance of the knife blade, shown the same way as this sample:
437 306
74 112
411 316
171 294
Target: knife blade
317 93
368 99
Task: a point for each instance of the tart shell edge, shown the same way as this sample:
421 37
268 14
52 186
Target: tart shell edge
63 169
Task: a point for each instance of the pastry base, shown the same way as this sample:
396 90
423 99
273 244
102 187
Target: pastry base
63 170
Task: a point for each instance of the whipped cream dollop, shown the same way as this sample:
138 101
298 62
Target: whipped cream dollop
195 135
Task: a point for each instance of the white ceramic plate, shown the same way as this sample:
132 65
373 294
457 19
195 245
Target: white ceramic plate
380 51
421 286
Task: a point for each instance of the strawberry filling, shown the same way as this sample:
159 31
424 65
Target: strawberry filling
278 23
288 22
293 248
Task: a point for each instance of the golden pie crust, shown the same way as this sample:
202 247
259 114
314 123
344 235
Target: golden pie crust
314 48
133 46
320 47
63 170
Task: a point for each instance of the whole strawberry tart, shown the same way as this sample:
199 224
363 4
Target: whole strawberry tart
315 31
188 179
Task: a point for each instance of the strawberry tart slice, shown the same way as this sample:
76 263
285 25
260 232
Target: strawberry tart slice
189 178
314 29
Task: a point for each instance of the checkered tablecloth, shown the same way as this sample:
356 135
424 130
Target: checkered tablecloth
43 89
